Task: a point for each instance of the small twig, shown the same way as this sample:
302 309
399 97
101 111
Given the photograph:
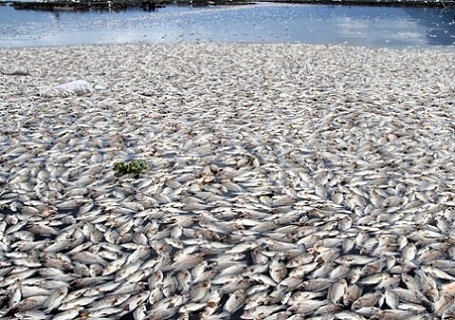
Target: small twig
15 73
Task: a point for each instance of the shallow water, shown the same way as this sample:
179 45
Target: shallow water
391 27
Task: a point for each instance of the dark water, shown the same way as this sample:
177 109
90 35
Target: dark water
392 27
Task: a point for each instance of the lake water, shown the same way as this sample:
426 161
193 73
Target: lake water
393 27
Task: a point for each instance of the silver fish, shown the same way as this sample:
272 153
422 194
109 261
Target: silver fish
235 301
261 312
55 298
337 291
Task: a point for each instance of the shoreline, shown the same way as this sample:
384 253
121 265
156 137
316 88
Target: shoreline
152 5
281 178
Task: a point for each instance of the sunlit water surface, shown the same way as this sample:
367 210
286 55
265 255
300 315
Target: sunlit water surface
393 27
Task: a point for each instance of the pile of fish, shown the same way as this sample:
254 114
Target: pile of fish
283 182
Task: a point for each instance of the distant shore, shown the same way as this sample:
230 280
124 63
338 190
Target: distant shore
151 5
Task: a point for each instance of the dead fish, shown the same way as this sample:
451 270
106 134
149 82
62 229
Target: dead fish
337 291
89 258
328 309
170 285
300 296
438 273
352 294
410 296
114 266
135 301
260 298
88 281
373 279
60 245
409 252
242 247
138 254
139 312
289 283
278 271
192 307
368 311
262 278
15 294
29 291
395 314
161 313
103 313
429 286
67 314
261 312
186 262
351 259
303 270
156 295
130 288
348 315
27 304
55 298
125 272
235 301
367 300
212 302
74 303
199 291
391 299
184 279
315 284
306 307
443 303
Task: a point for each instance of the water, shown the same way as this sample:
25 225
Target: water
393 27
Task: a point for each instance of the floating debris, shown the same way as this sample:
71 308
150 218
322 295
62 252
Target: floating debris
135 167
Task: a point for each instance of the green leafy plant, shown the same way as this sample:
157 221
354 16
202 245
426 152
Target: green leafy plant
135 167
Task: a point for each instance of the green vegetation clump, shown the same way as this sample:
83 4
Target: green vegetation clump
135 167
